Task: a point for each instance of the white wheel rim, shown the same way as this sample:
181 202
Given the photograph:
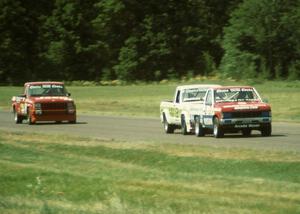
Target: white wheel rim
215 129
197 128
16 116
166 125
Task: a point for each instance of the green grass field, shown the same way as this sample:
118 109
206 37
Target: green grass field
144 100
60 174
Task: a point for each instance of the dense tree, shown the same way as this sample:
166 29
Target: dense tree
158 41
19 43
263 40
147 40
73 50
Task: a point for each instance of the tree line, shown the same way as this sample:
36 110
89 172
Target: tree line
148 40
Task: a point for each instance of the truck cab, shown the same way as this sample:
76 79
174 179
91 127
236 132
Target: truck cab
44 101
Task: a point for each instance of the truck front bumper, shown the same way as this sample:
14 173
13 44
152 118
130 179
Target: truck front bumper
53 116
244 123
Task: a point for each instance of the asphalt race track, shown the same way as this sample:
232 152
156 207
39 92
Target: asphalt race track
285 136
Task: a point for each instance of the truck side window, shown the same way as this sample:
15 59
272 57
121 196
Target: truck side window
209 98
178 97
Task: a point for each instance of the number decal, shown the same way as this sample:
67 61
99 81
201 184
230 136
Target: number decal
174 112
22 108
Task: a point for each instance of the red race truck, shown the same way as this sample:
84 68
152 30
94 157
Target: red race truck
231 109
44 101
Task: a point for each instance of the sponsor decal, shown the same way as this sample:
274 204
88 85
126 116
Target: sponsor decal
53 98
241 126
174 112
254 125
45 86
245 107
22 108
256 106
234 90
246 125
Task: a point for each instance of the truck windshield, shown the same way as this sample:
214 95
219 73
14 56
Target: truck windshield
193 94
235 94
47 90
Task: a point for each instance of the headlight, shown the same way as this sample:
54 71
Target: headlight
37 106
266 114
70 105
227 115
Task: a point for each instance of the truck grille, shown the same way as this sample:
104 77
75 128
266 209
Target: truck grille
247 114
54 106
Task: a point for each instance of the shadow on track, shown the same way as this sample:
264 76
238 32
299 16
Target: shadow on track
234 135
56 123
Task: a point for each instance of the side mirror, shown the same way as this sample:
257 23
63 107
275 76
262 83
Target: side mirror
68 94
265 100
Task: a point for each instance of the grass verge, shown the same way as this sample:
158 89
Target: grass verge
60 174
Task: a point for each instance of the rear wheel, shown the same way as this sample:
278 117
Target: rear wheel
167 127
266 130
29 118
218 131
183 125
246 132
18 118
199 130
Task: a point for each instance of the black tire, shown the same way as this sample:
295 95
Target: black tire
199 130
246 132
29 119
72 121
183 125
18 118
266 130
217 130
169 129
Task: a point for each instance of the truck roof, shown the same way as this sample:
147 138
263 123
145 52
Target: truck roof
198 86
228 87
42 83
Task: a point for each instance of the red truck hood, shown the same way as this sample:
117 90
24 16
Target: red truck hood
242 106
47 99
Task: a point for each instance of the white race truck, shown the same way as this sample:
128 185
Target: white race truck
177 114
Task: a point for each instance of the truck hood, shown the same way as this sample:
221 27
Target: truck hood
242 106
50 99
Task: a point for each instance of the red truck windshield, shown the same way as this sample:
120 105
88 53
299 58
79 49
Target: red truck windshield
47 90
235 94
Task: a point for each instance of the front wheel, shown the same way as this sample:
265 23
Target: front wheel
199 130
266 130
246 132
18 118
218 131
183 125
167 127
29 118
72 121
